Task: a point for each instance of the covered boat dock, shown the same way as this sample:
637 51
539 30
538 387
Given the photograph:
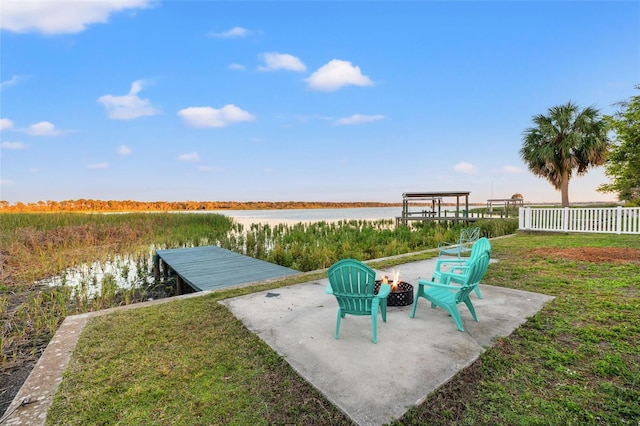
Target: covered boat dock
429 206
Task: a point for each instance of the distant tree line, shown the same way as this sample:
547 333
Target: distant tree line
86 205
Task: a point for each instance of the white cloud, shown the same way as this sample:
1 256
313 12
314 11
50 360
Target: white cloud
512 169
60 17
192 156
211 117
98 166
357 119
5 123
281 61
463 167
336 74
14 145
6 182
238 67
43 128
234 32
128 106
14 80
267 170
124 150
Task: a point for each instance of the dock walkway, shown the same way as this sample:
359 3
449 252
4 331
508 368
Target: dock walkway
212 267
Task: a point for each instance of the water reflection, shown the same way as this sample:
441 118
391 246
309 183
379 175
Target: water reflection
125 278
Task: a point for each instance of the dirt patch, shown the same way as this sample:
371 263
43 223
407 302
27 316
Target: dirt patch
11 384
593 254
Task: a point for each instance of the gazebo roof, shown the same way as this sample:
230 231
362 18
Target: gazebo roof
440 194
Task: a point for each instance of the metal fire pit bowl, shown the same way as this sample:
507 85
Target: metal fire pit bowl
402 297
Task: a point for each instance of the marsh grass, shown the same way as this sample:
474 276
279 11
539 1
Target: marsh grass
576 362
41 246
37 246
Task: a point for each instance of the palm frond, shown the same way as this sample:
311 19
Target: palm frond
564 141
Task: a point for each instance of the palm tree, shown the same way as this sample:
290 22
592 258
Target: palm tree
564 141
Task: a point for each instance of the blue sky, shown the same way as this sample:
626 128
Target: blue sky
298 101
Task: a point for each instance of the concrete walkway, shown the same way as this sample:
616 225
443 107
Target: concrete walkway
376 383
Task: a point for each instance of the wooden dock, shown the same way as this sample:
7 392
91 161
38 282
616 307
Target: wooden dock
212 267
400 220
418 200
415 206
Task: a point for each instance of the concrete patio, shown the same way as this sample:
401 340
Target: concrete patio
376 383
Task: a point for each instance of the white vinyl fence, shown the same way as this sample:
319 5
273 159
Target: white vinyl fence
608 220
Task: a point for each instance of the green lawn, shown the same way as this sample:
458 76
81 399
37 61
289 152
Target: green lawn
191 362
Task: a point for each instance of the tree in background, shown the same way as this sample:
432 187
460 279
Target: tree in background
565 140
623 163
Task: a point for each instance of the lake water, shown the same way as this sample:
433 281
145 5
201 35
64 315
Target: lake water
290 216
293 216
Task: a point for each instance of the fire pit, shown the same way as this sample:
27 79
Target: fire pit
401 293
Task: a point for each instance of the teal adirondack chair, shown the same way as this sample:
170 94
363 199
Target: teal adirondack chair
449 296
458 265
468 236
353 284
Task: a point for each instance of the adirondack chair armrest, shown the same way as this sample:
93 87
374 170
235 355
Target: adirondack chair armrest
447 277
438 285
384 291
456 270
444 244
440 262
451 263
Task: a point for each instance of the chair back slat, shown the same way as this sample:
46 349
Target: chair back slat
482 245
474 274
353 285
468 236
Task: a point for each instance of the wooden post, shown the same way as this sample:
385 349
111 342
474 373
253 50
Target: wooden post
165 270
405 210
179 285
466 203
404 207
156 267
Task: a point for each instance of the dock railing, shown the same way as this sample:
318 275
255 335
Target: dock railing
606 220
